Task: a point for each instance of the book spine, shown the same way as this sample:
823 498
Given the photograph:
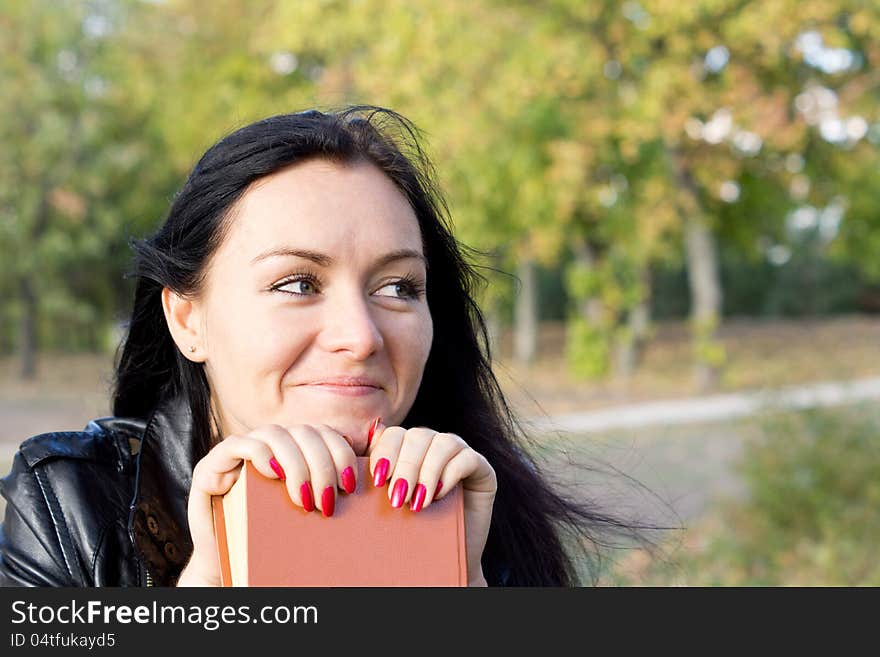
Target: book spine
222 545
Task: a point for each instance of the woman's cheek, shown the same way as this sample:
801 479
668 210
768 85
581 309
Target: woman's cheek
419 350
425 334
279 347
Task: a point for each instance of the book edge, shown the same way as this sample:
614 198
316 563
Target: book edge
220 535
235 505
462 541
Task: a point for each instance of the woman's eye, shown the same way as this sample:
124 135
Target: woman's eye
402 290
307 286
393 286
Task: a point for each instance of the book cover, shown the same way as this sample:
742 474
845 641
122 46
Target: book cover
264 539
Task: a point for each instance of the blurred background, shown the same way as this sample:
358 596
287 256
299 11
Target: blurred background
677 206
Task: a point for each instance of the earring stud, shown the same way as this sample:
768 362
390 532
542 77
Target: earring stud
192 349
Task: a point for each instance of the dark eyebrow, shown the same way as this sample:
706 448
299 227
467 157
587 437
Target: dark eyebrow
324 260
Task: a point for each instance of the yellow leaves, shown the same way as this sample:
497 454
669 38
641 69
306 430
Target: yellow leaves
704 39
547 243
569 161
865 24
662 216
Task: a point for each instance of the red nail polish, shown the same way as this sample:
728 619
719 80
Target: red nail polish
399 493
277 469
372 430
439 486
348 480
327 502
418 498
305 492
380 473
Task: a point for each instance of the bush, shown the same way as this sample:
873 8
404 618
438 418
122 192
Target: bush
811 516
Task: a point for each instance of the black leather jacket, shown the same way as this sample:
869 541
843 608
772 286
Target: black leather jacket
105 506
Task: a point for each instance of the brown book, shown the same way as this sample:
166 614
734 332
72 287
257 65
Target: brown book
264 539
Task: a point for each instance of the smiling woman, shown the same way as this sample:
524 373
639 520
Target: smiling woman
304 303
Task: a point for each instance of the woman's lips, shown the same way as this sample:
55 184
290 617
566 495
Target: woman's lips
348 391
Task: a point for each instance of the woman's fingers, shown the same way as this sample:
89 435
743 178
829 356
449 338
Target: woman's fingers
473 470
383 453
444 447
219 469
292 462
343 456
322 469
405 470
420 464
312 461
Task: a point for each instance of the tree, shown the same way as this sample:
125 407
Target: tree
52 163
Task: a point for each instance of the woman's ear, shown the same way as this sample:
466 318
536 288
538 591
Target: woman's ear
184 322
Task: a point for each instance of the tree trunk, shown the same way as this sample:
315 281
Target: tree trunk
28 330
525 345
628 350
705 287
588 337
591 308
28 327
703 276
7 343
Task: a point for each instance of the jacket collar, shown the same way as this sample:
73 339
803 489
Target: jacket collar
157 523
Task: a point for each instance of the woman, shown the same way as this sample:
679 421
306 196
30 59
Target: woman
304 303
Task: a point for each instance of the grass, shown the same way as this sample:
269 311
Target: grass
809 515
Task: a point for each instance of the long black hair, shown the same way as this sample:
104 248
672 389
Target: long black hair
533 525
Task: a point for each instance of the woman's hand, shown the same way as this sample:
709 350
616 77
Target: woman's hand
313 461
421 465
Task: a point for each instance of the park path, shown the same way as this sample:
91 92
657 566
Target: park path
712 408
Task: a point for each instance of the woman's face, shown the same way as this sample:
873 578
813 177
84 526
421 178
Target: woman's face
312 285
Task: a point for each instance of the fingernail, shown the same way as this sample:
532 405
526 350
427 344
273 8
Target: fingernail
348 480
277 469
418 498
305 492
372 430
399 493
380 473
439 486
327 501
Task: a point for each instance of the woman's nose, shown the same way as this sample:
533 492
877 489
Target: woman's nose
348 325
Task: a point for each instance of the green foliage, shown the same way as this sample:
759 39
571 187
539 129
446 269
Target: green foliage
587 349
708 350
812 512
583 282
